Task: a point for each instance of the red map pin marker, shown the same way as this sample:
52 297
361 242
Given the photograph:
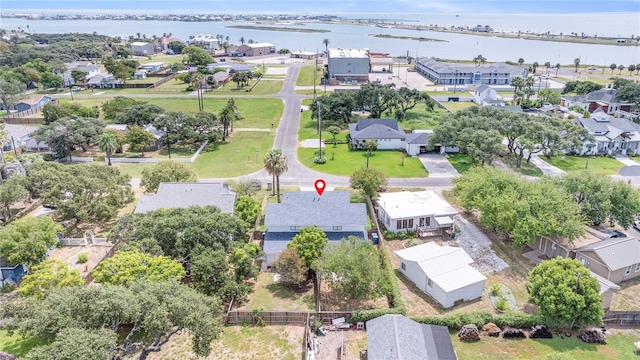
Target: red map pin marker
320 185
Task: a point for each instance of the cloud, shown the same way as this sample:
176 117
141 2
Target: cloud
430 5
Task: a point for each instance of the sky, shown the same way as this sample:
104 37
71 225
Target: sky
334 6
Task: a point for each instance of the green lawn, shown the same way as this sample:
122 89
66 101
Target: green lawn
619 346
595 79
449 93
599 165
166 59
526 168
264 87
345 162
17 345
306 76
455 106
420 119
257 113
133 170
271 295
235 157
460 162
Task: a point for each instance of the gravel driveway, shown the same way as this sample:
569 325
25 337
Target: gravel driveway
478 246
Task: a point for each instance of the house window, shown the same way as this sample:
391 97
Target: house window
421 222
399 224
427 221
405 223
294 228
637 267
337 228
429 283
583 261
403 266
628 270
410 223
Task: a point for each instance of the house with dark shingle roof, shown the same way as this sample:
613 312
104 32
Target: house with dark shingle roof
605 100
391 337
332 212
615 259
186 194
610 135
389 135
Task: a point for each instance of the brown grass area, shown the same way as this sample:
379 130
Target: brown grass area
353 340
241 343
627 299
69 255
331 301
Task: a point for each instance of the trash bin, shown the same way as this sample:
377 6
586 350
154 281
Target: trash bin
269 186
374 238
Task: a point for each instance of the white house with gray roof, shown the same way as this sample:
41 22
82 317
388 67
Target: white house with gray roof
442 272
396 337
610 135
186 194
332 212
487 96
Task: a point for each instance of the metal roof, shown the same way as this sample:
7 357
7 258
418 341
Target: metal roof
412 204
616 253
184 195
392 337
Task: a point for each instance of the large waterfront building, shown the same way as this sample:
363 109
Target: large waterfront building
442 73
349 65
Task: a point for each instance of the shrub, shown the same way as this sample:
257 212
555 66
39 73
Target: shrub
495 289
48 157
190 88
517 320
366 315
320 160
83 258
502 304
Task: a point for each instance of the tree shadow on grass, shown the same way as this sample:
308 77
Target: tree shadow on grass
281 291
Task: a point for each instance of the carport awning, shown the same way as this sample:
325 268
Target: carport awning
444 220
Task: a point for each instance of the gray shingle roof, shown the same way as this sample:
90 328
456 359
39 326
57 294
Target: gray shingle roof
616 253
417 138
331 235
183 195
376 129
306 208
481 88
606 95
398 337
623 124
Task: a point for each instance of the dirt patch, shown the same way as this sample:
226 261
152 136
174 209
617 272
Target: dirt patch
69 255
241 343
627 299
349 342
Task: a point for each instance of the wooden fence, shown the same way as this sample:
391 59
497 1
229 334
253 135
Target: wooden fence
622 318
281 317
88 278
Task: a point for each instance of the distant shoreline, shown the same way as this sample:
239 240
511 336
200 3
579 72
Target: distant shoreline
269 28
406 37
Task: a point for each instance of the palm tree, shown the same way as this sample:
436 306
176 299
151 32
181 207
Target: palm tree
517 83
547 65
326 42
620 67
108 142
637 69
242 40
226 117
479 60
631 69
576 62
529 82
138 35
557 68
276 164
613 66
227 38
520 61
250 41
535 66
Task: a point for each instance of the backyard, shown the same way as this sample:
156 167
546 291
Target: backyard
272 295
420 119
598 165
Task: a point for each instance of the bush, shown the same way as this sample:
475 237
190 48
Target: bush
479 319
502 304
83 258
9 157
366 315
495 289
190 88
320 160
48 157
518 320
7 288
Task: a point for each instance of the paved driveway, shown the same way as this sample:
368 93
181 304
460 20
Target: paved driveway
438 166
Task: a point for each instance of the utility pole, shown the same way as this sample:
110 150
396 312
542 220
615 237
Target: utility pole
319 129
315 74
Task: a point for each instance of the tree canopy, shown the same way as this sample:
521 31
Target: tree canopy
157 310
137 114
53 111
68 134
111 108
129 266
566 293
166 171
47 275
290 267
369 181
27 240
310 244
580 87
197 55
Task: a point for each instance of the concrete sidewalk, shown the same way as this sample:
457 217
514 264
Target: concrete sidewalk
545 167
626 160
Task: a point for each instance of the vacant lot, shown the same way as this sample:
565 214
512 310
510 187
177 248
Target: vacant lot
306 76
599 165
419 118
69 255
619 346
455 106
241 343
270 295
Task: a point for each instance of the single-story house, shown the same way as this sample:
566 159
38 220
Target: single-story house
256 49
19 135
152 66
184 195
221 78
390 136
396 337
140 74
442 272
401 211
140 48
103 80
308 55
33 102
230 68
88 67
11 273
332 212
615 259
487 96
158 134
611 135
554 247
607 288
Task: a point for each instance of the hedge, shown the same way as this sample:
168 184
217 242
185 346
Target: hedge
479 319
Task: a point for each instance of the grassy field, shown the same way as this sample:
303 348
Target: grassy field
455 106
345 162
257 113
271 295
420 119
166 59
264 87
526 168
619 346
305 78
599 165
235 157
461 162
449 93
17 345
586 77
133 170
